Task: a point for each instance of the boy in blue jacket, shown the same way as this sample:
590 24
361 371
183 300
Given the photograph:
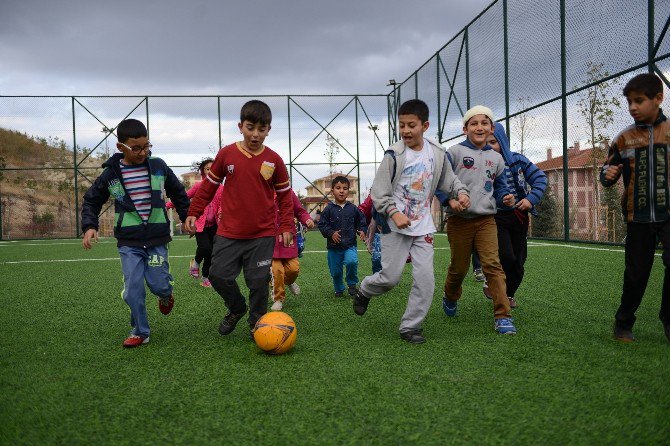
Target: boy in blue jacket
340 222
527 183
137 181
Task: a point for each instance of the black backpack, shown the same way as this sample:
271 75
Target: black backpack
381 219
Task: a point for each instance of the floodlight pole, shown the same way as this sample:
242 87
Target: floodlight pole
374 129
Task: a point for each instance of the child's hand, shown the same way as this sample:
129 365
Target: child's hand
524 205
336 237
613 172
285 238
464 200
401 220
508 200
457 206
90 236
189 225
310 223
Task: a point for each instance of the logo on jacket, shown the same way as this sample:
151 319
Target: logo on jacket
468 162
488 186
231 169
429 238
116 189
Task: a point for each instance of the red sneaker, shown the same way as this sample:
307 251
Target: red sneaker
166 304
135 341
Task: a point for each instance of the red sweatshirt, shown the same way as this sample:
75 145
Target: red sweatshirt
247 204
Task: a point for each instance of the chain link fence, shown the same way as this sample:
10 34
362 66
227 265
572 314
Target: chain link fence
553 73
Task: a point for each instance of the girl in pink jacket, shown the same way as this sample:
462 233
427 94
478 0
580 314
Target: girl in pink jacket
285 264
205 228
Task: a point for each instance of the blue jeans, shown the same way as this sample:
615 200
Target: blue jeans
140 265
348 258
376 253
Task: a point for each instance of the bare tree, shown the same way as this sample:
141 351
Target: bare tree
524 124
331 152
597 105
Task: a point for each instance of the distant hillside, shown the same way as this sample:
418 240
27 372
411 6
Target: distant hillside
41 202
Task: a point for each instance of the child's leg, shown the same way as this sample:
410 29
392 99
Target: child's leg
351 264
460 232
423 285
335 261
291 270
157 274
519 239
205 241
486 243
395 247
640 248
257 263
376 253
278 278
226 266
476 263
133 264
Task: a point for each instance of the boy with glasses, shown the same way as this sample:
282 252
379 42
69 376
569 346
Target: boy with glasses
137 182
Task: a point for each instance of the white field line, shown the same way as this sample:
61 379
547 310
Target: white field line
530 245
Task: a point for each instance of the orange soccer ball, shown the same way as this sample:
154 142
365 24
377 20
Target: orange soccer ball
275 333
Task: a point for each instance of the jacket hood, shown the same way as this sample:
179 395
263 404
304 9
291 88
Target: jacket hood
503 141
467 143
399 146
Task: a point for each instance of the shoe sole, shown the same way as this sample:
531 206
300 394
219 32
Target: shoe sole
145 341
624 340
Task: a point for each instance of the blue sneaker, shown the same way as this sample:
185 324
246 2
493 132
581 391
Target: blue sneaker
449 307
504 326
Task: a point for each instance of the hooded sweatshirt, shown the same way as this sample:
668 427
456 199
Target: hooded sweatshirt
482 172
522 178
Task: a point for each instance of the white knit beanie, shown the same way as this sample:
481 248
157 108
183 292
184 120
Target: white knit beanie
477 110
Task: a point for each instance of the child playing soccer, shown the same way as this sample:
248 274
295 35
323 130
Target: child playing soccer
246 234
481 169
640 153
527 183
340 222
136 180
205 228
402 192
285 263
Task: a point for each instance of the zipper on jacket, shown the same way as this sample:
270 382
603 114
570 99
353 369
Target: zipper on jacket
652 173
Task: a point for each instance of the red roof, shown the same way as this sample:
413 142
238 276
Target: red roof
577 159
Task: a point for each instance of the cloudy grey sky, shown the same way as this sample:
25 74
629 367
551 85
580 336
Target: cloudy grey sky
220 47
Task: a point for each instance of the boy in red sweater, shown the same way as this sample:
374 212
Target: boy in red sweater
246 235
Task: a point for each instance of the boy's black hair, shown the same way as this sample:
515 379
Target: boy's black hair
339 179
414 107
256 112
647 83
203 163
130 128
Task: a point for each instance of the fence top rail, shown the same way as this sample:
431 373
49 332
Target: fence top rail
200 96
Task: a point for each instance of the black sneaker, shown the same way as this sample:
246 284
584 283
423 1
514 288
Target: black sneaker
623 335
352 290
413 336
360 303
339 294
228 323
251 332
666 328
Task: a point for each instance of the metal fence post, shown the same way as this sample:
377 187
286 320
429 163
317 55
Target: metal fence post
290 156
564 116
76 172
650 35
506 55
467 66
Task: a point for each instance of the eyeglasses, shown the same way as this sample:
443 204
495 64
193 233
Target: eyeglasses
136 149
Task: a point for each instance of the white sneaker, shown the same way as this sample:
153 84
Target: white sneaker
294 288
277 306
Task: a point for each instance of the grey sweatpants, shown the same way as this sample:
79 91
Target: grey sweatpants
395 248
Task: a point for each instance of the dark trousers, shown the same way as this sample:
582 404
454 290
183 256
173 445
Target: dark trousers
254 257
641 240
512 246
205 245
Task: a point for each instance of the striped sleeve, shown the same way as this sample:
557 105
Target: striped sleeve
282 186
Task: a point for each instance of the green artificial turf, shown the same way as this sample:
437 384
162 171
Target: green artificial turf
64 378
